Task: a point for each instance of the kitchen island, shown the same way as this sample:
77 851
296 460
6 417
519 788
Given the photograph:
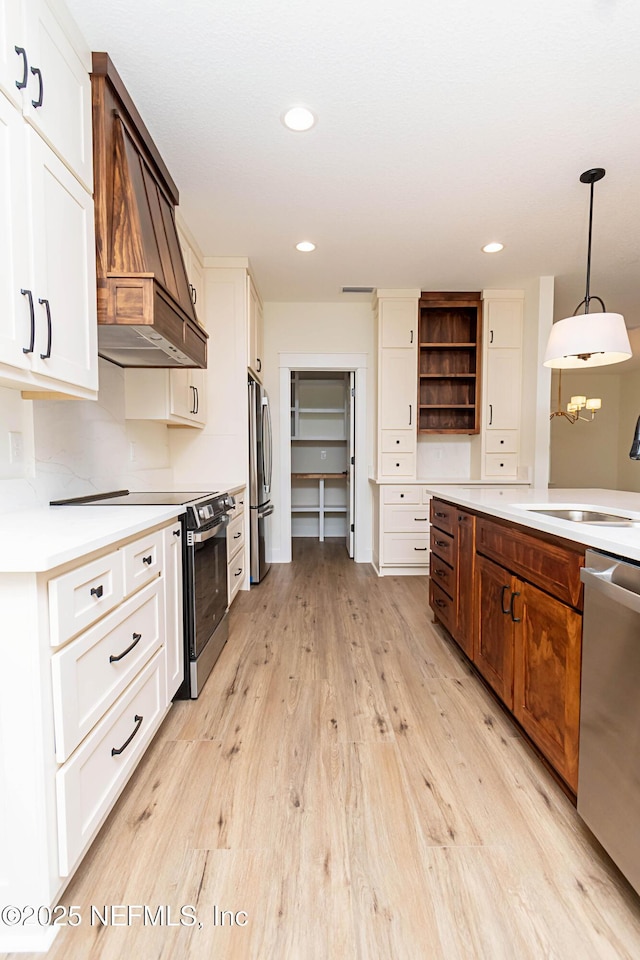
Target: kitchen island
505 584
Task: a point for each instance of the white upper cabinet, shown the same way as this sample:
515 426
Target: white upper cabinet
195 275
502 411
176 397
504 323
50 79
255 358
64 271
14 66
398 323
48 325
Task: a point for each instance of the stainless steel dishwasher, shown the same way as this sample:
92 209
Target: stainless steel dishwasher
609 773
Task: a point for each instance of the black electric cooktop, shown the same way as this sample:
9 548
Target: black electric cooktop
138 498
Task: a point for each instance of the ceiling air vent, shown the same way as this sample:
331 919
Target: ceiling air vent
357 289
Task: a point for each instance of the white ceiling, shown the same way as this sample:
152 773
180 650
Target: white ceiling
441 126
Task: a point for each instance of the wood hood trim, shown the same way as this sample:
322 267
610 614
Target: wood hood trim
144 298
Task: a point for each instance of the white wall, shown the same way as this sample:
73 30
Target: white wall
586 454
80 446
315 328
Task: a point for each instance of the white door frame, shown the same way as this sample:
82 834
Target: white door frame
335 362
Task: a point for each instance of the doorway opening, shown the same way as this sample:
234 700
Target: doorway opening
323 455
359 492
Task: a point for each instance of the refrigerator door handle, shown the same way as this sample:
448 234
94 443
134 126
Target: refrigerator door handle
266 512
267 455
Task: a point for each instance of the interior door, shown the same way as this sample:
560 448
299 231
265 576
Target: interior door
350 434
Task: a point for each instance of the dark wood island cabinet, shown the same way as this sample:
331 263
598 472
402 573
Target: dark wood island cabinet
513 603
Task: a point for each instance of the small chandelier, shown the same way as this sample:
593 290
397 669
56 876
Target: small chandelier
575 405
590 340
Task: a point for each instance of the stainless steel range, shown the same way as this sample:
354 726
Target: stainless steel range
204 564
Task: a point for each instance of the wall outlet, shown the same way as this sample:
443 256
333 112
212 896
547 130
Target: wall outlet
16 446
323 454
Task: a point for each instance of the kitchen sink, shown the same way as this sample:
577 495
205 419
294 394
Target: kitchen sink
588 516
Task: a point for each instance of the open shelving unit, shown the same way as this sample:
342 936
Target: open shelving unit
318 453
449 352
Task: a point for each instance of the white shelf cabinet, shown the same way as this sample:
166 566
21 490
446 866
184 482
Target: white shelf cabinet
48 326
503 329
397 323
93 641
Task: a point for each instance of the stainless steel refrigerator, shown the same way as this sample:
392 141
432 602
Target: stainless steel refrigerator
260 466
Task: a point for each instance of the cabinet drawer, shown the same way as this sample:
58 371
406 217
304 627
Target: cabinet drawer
142 561
443 606
547 563
398 441
443 545
405 517
235 575
401 495
398 464
442 574
235 536
501 465
501 441
443 516
78 598
405 548
239 506
90 673
89 782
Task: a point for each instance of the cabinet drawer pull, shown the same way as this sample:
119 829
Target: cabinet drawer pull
440 573
259 365
410 414
32 316
238 572
419 549
439 513
440 603
237 535
97 591
515 619
148 559
45 356
137 637
490 336
176 533
411 337
506 587
38 73
490 414
420 519
441 543
116 751
21 84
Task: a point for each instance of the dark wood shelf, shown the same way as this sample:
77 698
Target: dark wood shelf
447 376
449 352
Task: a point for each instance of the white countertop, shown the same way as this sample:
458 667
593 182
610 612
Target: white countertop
458 481
32 540
512 504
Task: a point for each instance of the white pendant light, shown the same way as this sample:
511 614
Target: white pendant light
588 340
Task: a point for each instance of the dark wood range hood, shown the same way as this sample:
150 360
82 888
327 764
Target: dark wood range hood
146 317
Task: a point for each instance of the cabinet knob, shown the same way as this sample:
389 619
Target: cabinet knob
97 591
402 496
397 464
148 559
176 533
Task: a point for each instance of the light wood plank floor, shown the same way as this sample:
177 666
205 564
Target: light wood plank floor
347 781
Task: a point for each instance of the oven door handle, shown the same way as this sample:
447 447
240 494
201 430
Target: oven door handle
204 535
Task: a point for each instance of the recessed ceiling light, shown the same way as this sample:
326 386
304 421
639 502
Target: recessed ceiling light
493 247
298 119
305 246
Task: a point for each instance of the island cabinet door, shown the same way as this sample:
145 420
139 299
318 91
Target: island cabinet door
547 676
493 649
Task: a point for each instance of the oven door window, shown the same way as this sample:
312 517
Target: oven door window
210 574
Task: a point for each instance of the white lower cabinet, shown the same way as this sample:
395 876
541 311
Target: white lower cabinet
402 534
236 562
84 687
90 782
